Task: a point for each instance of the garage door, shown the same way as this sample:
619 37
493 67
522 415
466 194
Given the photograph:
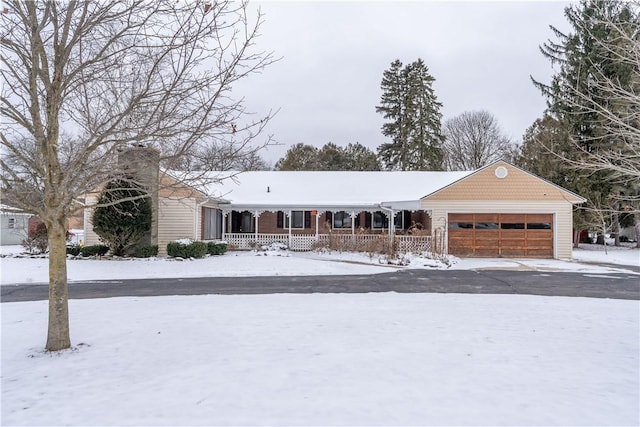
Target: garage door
501 235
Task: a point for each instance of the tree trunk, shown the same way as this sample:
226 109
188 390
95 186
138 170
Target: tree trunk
576 238
58 333
615 228
637 227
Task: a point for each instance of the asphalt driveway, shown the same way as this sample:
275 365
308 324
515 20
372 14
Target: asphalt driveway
618 286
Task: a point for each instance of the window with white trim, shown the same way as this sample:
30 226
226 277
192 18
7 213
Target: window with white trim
342 219
297 219
380 220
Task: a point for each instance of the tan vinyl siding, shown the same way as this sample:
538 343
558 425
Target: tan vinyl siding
177 220
562 216
517 185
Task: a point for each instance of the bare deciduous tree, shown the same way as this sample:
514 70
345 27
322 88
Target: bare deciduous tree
606 98
619 120
474 139
83 79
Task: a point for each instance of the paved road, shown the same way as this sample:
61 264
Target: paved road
619 286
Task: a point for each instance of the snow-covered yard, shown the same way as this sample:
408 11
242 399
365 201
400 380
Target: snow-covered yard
322 359
284 263
326 359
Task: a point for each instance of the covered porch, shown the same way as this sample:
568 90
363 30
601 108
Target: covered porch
304 228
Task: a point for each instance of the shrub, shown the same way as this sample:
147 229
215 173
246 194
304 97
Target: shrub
191 250
121 224
217 248
146 251
197 250
176 249
74 250
95 250
37 239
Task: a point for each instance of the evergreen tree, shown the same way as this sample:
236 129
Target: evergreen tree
123 215
409 103
425 134
544 146
589 60
360 158
331 157
300 157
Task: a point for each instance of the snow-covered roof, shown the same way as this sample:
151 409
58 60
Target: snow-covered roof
320 189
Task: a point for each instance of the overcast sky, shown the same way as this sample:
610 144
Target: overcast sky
327 84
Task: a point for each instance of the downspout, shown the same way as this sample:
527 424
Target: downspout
290 221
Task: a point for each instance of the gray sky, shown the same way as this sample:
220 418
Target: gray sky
327 84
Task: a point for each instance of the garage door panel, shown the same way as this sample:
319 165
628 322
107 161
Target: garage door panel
513 244
487 217
539 234
513 253
505 235
544 218
486 252
461 251
512 218
461 217
539 253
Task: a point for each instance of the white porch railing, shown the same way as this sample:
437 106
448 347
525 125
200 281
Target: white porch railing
347 242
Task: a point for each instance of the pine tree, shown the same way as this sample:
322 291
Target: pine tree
123 216
331 157
425 134
300 157
409 103
360 158
590 58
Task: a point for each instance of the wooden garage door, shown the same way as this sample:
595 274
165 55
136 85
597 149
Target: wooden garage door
501 235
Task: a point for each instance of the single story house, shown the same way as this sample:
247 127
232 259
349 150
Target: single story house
497 211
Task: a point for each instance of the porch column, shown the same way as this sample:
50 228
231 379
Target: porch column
353 222
317 222
224 224
255 215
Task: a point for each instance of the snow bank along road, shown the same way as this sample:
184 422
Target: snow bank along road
609 285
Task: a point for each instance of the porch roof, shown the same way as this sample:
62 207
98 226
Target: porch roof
324 189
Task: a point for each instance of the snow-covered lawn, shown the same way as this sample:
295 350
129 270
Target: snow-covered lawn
322 359
274 263
326 359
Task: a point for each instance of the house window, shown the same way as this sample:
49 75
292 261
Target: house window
539 226
242 222
12 223
512 225
402 220
342 220
211 224
486 225
460 225
297 219
380 220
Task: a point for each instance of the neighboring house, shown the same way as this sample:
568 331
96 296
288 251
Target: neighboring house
14 225
497 211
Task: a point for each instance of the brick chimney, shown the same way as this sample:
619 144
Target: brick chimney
143 165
